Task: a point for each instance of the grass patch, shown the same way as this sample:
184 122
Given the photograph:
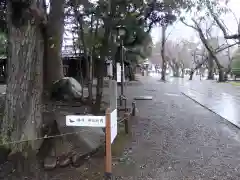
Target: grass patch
235 83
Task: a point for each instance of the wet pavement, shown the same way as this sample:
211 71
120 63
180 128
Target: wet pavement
175 138
220 98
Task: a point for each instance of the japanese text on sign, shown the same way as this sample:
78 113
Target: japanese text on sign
89 121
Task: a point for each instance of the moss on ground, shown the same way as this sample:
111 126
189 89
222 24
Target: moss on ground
235 83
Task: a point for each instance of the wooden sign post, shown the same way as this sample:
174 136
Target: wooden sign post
108 146
109 121
111 127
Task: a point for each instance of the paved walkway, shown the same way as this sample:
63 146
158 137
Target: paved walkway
176 139
221 98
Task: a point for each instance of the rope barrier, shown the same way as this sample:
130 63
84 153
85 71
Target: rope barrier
52 136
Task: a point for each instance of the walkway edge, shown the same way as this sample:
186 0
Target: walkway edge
207 108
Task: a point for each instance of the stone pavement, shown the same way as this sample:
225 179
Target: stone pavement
176 139
220 98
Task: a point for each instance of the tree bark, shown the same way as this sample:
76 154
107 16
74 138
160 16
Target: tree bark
53 61
131 73
176 70
191 75
22 117
163 72
92 49
32 44
210 68
221 75
183 72
103 54
104 51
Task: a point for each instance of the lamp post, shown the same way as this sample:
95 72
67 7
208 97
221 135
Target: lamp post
121 32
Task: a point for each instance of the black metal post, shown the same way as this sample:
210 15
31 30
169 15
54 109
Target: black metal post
133 108
122 73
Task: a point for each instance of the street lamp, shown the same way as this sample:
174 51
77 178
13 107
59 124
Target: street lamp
121 33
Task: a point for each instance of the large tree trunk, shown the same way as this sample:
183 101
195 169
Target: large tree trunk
22 116
29 49
53 61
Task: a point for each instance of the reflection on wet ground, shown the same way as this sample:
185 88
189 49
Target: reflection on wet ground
223 104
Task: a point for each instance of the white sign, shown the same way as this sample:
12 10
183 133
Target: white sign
89 121
110 69
113 125
119 73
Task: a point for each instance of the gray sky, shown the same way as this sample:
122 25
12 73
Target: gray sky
179 31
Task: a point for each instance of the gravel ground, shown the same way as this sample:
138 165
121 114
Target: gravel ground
176 139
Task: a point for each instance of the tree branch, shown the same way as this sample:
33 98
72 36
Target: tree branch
221 26
205 42
226 47
191 26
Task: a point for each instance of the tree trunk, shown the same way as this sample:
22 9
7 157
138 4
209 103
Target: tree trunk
176 71
163 73
55 28
31 47
182 73
22 117
100 75
221 75
99 88
131 73
191 75
225 76
90 79
210 69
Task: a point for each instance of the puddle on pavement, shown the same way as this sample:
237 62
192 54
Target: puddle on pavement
171 94
224 105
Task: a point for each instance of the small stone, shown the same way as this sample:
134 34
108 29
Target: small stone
64 161
121 159
78 160
50 162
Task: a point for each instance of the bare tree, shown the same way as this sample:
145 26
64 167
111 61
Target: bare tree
178 56
221 25
211 50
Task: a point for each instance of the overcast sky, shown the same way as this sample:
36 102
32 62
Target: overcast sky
179 31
